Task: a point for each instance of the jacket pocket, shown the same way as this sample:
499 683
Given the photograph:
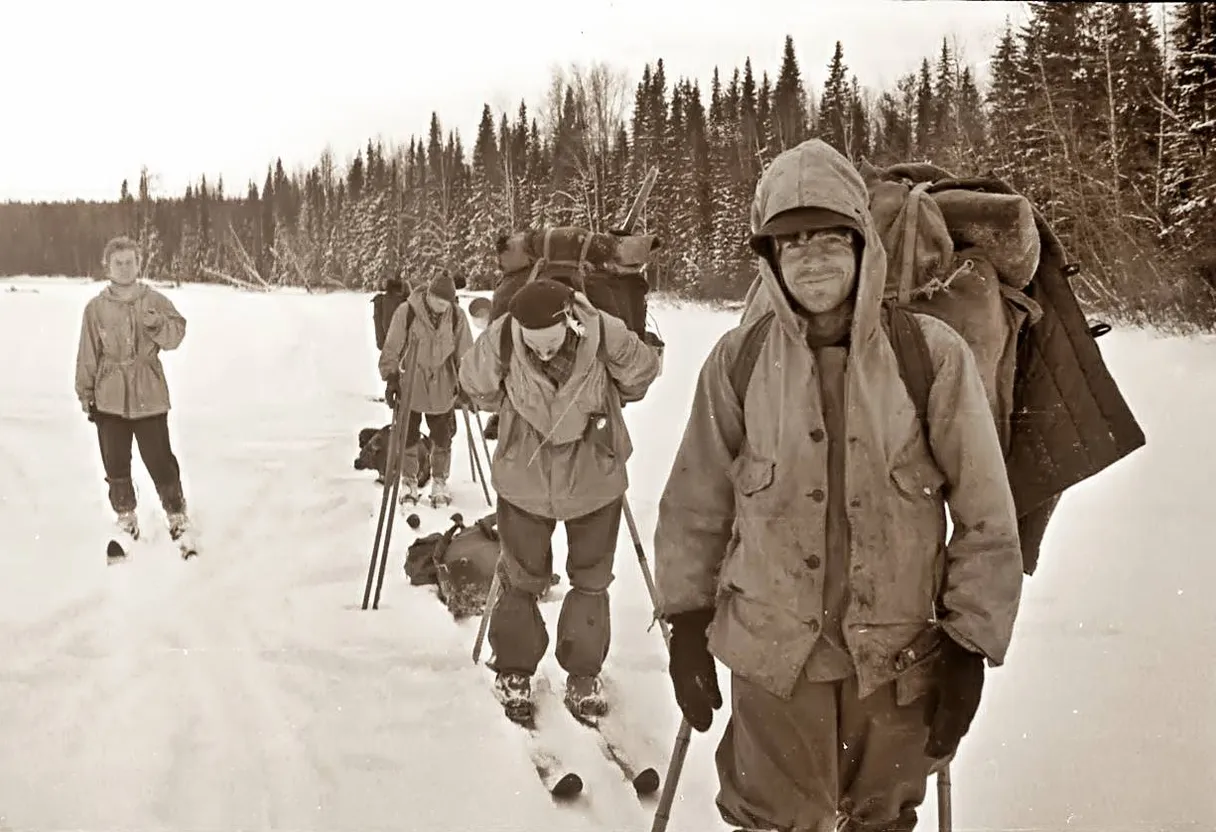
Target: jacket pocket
598 441
759 641
917 479
752 474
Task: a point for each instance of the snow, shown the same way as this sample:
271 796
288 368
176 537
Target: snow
246 689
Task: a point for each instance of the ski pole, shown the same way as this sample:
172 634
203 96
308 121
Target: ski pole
392 484
675 767
491 599
389 494
945 821
475 460
468 434
409 360
481 430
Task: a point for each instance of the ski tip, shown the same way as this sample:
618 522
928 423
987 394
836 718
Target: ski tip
568 786
646 783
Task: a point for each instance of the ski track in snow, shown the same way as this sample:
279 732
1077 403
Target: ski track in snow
245 689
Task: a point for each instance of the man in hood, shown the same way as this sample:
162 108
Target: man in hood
801 533
121 385
561 455
431 319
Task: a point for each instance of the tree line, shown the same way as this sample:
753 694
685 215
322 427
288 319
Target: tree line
1103 114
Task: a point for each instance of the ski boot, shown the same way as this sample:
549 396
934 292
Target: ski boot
410 492
128 523
514 692
179 530
585 698
440 494
128 532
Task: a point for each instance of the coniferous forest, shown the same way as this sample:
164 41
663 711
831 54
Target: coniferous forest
1103 114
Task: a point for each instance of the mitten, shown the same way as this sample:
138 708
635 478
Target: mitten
960 681
694 675
392 390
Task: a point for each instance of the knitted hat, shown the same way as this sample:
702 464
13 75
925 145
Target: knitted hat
443 287
541 303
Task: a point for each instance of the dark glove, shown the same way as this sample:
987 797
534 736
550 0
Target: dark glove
463 400
956 699
91 413
392 390
693 672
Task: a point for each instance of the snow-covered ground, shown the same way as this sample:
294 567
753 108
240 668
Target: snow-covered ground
247 690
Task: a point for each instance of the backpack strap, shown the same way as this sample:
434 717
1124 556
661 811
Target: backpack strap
601 351
506 344
445 540
912 354
748 354
906 337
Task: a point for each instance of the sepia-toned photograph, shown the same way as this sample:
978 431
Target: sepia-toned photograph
613 416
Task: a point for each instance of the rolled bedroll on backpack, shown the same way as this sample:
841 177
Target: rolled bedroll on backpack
609 268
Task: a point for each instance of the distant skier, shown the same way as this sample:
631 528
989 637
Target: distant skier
561 455
432 318
121 384
801 541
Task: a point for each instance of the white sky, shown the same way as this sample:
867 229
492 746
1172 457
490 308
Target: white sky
90 91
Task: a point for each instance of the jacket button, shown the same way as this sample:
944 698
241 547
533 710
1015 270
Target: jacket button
855 502
817 435
813 561
817 495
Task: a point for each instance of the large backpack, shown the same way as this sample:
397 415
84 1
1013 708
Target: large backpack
383 307
460 562
609 268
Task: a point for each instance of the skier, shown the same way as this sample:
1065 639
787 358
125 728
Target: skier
120 383
801 540
561 455
432 319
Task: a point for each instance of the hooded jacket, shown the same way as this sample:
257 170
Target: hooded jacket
440 348
741 524
551 459
118 366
